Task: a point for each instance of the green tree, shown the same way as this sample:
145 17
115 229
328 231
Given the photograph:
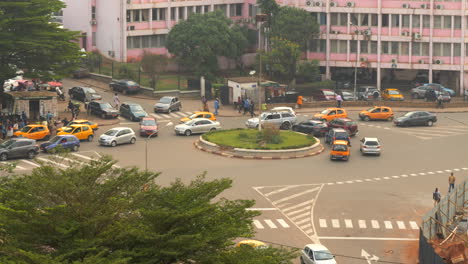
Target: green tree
238 45
154 65
198 41
30 43
308 71
269 8
296 25
248 255
282 59
95 213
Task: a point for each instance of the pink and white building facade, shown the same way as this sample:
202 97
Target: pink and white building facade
378 35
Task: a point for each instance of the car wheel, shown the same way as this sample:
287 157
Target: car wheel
415 96
31 154
178 108
286 126
302 261
212 129
188 133
90 138
113 144
132 141
390 118
103 116
366 118
3 156
429 123
169 110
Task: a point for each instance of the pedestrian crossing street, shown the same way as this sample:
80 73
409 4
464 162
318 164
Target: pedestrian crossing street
367 224
421 132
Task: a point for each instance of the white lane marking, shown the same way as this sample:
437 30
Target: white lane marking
295 195
330 183
386 128
431 172
31 163
335 223
180 114
262 209
386 178
156 116
348 223
305 226
404 175
396 177
82 156
358 180
448 170
464 168
189 113
282 223
388 225
339 182
378 127
362 223
302 221
258 224
456 169
401 225
53 162
270 223
349 181
128 123
368 180
413 225
422 173
323 223
413 174
300 216
377 179
439 171
299 211
370 238
297 205
174 115
279 190
375 224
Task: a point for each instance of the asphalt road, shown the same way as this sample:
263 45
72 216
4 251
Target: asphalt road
368 203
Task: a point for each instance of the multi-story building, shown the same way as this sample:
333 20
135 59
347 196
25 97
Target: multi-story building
383 37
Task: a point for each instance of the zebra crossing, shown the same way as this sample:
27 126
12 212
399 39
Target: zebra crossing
367 224
271 224
160 117
423 133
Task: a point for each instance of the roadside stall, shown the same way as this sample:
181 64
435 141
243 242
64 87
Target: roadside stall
34 103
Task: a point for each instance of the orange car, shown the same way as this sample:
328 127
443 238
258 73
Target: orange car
331 113
206 115
36 132
340 149
93 125
377 113
82 132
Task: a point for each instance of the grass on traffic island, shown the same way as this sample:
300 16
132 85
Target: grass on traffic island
269 138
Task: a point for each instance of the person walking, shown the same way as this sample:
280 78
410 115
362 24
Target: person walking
65 122
116 101
246 105
339 100
466 95
49 116
439 101
241 104
299 101
252 109
436 196
216 106
451 181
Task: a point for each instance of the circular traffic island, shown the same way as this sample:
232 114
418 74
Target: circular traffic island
270 143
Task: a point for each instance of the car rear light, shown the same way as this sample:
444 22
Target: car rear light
378 146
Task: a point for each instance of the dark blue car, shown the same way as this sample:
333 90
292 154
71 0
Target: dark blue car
65 142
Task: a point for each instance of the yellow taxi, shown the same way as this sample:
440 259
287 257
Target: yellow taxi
36 132
206 115
377 113
340 149
392 94
331 113
82 132
94 126
251 243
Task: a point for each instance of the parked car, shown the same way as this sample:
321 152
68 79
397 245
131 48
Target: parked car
282 120
391 94
345 123
18 148
337 134
283 109
252 243
377 113
438 86
429 92
416 118
93 125
82 132
116 136
419 92
81 73
66 142
323 95
206 115
125 86
167 104
316 254
330 114
313 127
197 126
433 95
84 94
370 146
36 132
148 127
132 111
345 95
102 109
368 93
340 150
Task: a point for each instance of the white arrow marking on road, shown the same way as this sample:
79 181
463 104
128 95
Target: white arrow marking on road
368 257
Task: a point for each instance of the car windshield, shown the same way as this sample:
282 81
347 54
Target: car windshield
263 116
25 129
323 255
325 111
111 132
393 92
148 122
409 114
89 90
165 100
190 122
67 129
372 143
55 139
340 147
347 94
131 83
351 123
136 108
106 106
370 109
328 93
7 143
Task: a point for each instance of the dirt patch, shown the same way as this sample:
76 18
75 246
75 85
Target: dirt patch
410 252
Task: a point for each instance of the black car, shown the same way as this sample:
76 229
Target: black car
314 127
102 109
416 118
132 111
125 86
84 94
18 148
81 73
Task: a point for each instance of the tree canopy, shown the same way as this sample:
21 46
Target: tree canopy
282 58
29 42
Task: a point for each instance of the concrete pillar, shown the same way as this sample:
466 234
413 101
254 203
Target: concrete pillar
177 14
150 17
327 54
379 45
431 50
202 86
463 51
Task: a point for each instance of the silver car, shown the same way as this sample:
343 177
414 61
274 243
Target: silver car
167 104
197 126
370 146
116 136
283 120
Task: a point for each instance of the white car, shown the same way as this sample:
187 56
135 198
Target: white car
370 146
197 126
283 109
316 254
116 136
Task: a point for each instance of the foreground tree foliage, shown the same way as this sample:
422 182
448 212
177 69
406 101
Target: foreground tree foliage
96 213
30 43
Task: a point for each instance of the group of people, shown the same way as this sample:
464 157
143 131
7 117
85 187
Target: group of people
216 105
436 195
246 105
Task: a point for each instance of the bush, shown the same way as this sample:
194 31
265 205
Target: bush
125 71
270 134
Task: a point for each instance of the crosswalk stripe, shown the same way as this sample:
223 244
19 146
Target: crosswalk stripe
279 190
296 206
258 225
53 162
181 114
300 216
302 221
388 225
413 225
362 224
156 116
309 232
306 226
295 195
282 223
348 223
174 115
69 160
375 224
31 163
335 223
82 156
323 223
270 223
298 211
401 225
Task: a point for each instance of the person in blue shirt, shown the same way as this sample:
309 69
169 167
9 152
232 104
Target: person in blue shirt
216 106
246 105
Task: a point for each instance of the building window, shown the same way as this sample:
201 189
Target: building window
416 49
221 7
405 21
150 41
446 49
93 41
159 14
190 10
395 47
373 47
334 46
235 10
456 50
416 21
395 20
144 15
457 22
136 15
334 19
173 13
343 19
198 9
437 49
181 13
129 15
437 21
364 47
426 21
317 45
93 12
447 22
353 46
207 8
323 46
364 20
354 19
385 18
374 20
385 47
404 48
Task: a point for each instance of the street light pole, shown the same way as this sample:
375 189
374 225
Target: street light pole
261 18
357 58
146 145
